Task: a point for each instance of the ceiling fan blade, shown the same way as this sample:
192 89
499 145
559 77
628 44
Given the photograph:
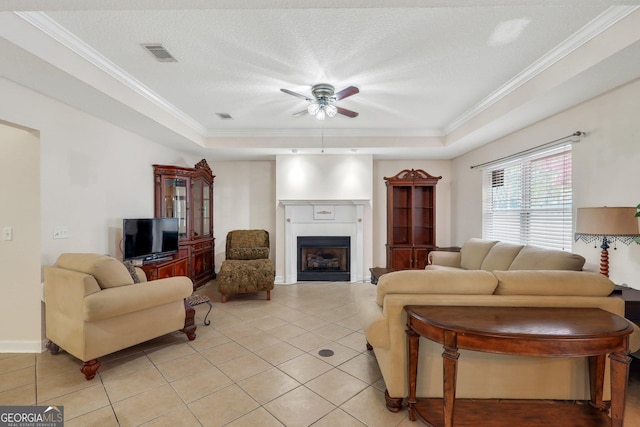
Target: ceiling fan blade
301 113
296 94
346 112
344 93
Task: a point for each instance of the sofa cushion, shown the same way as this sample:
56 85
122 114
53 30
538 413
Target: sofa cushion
536 258
248 253
112 303
552 283
248 238
476 282
474 251
442 267
108 271
500 256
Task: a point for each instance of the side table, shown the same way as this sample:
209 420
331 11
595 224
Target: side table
195 299
530 331
376 272
631 299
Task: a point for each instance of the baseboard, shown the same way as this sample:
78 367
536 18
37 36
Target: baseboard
22 346
280 280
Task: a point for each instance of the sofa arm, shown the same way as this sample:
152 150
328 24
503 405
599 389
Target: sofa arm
64 289
374 322
444 258
114 302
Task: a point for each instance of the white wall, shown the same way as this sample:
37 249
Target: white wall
605 169
92 174
20 290
253 184
244 198
324 177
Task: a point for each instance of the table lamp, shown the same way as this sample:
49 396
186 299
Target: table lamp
609 224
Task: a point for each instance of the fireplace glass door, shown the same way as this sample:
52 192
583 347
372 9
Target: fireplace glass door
324 258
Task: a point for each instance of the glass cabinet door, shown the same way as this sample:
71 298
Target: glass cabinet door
422 216
197 205
175 202
206 208
202 208
401 216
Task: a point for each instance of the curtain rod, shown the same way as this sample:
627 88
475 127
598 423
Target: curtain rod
558 141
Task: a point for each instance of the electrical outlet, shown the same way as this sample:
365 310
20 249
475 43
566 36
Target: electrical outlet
61 232
7 233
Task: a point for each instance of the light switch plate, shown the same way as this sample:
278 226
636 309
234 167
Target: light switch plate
60 232
7 233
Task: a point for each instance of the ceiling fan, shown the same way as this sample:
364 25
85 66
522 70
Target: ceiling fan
323 96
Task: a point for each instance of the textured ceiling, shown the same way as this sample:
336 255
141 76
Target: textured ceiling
436 78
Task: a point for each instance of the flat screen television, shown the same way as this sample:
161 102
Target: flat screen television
149 238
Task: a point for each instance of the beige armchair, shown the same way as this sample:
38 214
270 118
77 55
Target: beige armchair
247 267
94 308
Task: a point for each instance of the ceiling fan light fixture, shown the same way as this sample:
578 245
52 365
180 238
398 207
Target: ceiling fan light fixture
313 108
323 96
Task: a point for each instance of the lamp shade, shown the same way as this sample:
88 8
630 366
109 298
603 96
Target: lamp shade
607 221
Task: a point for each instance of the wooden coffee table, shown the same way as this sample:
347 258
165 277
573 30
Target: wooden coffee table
528 331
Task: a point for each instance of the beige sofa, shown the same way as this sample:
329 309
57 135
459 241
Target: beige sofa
480 375
94 308
490 255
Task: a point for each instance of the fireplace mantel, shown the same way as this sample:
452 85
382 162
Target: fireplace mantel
324 202
324 218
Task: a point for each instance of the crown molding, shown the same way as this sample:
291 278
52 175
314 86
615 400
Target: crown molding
51 28
599 24
352 133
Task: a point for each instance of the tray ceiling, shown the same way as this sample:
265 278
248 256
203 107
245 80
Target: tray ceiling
436 78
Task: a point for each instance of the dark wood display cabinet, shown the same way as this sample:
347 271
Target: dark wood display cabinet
411 218
187 194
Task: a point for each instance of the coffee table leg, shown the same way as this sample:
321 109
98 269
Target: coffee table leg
412 370
450 367
619 378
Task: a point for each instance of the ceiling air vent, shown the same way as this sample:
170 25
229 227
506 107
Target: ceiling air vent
159 52
224 116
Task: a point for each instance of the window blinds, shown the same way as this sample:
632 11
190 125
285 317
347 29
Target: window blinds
528 199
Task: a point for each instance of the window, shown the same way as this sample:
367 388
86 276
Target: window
528 200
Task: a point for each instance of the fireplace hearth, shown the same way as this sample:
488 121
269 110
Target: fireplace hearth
324 258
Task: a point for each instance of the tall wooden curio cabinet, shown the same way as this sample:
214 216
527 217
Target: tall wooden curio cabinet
411 218
187 194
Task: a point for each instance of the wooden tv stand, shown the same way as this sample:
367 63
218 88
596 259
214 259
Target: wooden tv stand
529 331
174 266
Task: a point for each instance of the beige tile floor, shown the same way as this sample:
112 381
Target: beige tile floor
257 364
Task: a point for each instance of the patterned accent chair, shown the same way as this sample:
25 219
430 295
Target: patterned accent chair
247 267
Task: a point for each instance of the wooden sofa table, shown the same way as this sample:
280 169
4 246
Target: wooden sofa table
528 331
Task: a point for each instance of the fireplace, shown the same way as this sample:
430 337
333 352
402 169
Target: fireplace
324 258
309 218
